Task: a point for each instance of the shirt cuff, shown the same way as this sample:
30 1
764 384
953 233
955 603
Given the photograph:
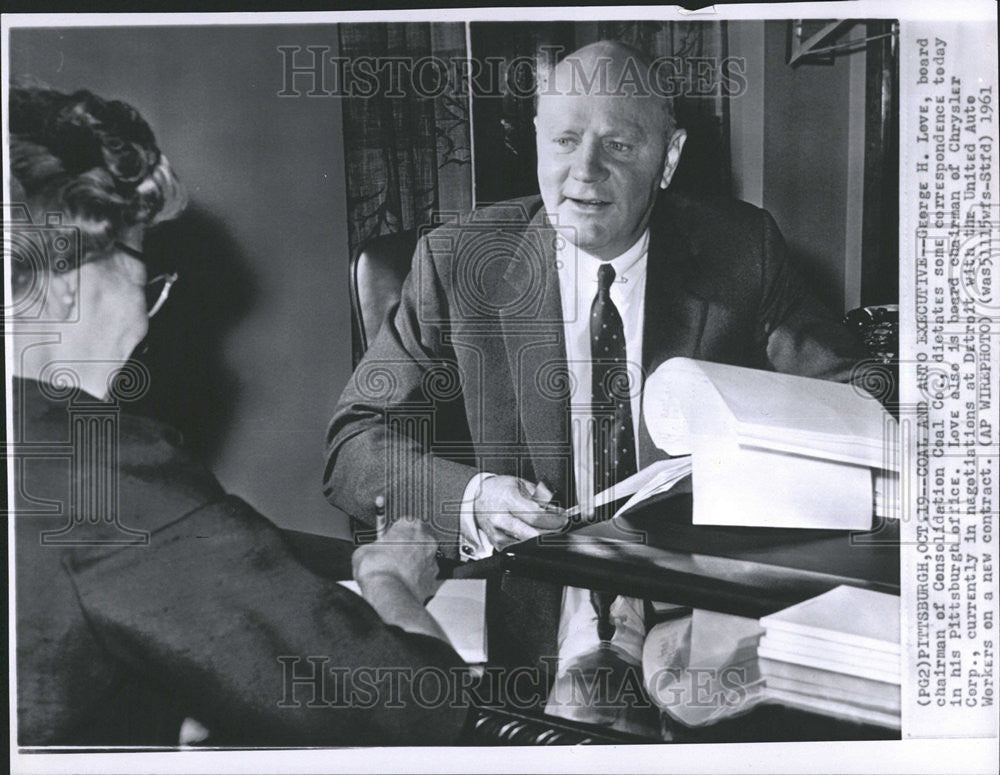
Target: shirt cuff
473 542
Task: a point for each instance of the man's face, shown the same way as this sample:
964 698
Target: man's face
601 160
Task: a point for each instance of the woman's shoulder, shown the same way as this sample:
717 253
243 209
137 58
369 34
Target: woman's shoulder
154 473
155 461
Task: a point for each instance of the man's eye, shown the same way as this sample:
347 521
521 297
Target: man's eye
564 142
619 147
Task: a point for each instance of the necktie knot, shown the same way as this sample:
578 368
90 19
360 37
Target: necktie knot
605 276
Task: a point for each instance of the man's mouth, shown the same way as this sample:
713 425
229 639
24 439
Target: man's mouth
588 204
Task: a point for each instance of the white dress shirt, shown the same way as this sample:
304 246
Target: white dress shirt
577 272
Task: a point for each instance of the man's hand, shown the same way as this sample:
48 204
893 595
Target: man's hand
508 510
405 550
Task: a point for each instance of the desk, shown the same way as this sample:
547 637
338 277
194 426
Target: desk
657 554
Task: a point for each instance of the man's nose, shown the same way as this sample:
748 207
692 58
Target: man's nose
588 166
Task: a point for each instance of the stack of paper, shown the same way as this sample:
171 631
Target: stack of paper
836 654
774 450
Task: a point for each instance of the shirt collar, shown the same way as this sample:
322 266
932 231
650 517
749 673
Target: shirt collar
628 266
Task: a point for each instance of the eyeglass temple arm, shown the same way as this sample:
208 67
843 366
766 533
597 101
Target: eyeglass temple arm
169 279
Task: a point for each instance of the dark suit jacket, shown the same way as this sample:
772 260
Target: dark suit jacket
469 372
117 643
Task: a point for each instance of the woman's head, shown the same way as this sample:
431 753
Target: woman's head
92 166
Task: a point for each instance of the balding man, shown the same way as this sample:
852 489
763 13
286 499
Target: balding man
501 409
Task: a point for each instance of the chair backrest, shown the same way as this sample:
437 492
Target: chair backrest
377 274
376 280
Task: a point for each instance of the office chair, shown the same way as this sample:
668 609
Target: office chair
377 274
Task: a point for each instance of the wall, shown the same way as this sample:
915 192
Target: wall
805 158
253 348
798 151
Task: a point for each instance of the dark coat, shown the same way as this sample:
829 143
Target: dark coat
183 605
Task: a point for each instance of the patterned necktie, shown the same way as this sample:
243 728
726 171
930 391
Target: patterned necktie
614 439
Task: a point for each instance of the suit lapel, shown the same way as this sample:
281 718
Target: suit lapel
674 317
531 320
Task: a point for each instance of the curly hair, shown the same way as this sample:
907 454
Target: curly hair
94 161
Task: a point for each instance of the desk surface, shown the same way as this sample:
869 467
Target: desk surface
656 553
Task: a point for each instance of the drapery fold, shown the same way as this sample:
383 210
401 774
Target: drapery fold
407 144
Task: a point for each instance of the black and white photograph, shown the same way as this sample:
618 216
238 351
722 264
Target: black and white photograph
467 389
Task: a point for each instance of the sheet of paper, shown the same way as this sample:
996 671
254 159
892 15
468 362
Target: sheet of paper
811 680
716 637
655 478
830 655
834 650
873 672
887 494
663 481
738 486
680 402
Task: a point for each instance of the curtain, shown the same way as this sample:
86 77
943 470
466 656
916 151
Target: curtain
407 145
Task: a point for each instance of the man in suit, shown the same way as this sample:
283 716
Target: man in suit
481 402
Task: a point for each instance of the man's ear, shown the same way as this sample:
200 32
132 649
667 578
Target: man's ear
62 294
674 148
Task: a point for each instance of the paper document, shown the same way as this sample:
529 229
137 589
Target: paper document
832 650
827 683
775 450
703 669
755 487
874 672
659 476
685 400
